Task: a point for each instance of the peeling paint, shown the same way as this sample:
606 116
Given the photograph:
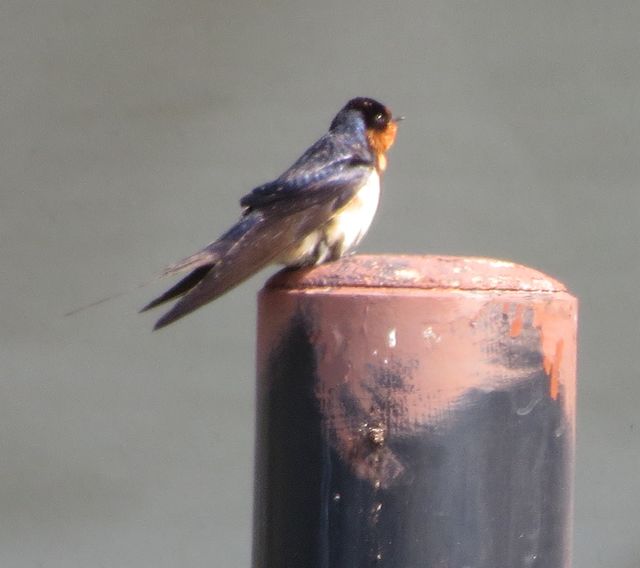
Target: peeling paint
407 381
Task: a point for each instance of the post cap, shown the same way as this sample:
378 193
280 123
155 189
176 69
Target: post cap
426 272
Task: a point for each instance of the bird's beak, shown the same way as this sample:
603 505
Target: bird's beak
398 118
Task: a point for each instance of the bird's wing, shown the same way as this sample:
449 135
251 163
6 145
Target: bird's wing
273 223
330 165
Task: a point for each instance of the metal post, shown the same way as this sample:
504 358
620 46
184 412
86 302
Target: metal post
415 412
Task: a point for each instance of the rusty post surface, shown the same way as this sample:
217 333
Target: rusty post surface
415 412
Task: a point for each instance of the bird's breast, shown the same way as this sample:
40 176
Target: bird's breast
342 232
351 223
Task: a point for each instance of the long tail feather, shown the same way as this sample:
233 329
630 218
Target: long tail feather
250 245
219 280
181 287
206 257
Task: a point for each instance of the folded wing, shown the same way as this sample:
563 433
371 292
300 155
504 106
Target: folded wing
277 215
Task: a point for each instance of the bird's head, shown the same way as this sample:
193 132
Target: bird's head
380 125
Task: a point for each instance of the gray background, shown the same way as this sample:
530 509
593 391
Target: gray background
128 132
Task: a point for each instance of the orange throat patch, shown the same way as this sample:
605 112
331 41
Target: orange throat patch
380 142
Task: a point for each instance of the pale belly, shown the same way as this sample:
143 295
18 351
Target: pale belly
342 233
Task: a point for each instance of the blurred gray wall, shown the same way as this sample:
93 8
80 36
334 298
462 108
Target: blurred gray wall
128 132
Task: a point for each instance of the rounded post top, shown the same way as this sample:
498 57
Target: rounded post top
425 272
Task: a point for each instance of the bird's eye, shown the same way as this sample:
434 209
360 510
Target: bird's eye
380 119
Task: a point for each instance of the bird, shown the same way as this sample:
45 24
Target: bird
317 211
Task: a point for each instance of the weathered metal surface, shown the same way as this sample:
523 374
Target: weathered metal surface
422 272
415 412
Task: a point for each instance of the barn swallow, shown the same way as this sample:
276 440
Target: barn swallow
316 211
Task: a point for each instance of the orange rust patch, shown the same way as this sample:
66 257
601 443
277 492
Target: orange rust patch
554 376
518 321
558 365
